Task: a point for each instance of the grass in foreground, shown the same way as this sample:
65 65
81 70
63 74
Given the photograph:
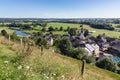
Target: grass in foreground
49 66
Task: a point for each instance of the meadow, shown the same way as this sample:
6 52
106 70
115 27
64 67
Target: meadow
109 33
97 31
49 66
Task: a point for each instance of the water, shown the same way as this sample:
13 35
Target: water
20 33
115 58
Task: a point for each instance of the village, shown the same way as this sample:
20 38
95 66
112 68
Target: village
99 47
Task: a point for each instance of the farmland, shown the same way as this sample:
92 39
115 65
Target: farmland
65 25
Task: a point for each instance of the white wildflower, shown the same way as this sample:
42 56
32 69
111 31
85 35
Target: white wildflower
6 62
27 67
19 67
47 77
62 76
32 75
54 74
51 77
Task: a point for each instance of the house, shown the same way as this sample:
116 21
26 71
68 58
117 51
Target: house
49 39
103 46
115 47
92 49
96 50
101 38
81 36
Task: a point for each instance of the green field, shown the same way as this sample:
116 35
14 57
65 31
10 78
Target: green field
65 25
98 31
8 30
114 25
101 31
49 66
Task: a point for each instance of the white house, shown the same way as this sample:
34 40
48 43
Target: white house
92 49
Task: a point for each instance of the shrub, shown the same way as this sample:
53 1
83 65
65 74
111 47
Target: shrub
72 31
41 41
3 32
90 59
65 45
118 64
50 28
14 37
107 64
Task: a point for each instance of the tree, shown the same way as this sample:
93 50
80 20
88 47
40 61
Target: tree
65 45
14 37
118 64
61 28
4 33
86 33
90 59
81 25
68 28
107 64
72 31
77 53
43 29
41 41
56 28
50 28
82 29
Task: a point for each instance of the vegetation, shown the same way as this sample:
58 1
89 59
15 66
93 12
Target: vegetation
46 67
107 64
18 64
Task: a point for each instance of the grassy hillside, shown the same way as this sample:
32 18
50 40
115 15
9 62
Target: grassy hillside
49 66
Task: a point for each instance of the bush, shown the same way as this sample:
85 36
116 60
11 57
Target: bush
61 28
50 28
41 41
118 64
72 31
65 45
90 59
4 33
14 37
107 64
77 53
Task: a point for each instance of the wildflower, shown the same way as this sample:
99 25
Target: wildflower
32 75
44 74
62 76
6 62
47 77
54 74
27 67
19 67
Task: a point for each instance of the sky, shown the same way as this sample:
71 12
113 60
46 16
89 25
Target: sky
59 8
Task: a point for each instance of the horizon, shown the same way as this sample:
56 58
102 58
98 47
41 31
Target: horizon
60 9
